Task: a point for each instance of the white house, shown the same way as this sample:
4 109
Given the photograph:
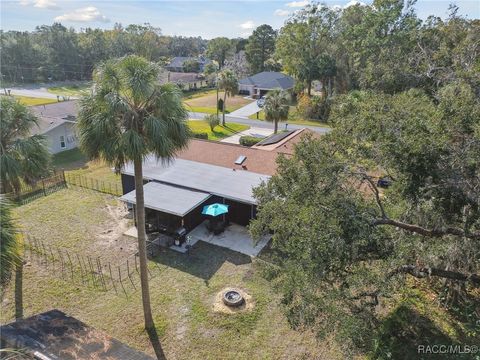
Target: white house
57 122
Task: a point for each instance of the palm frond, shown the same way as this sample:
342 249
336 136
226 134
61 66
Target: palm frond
8 242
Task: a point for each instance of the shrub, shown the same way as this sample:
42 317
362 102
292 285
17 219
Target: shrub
313 108
212 120
249 140
220 104
200 135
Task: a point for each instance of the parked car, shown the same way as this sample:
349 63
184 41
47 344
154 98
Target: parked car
384 182
261 102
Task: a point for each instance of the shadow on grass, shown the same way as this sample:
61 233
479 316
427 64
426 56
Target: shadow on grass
70 160
407 334
203 261
157 346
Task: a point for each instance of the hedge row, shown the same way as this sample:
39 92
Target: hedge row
249 140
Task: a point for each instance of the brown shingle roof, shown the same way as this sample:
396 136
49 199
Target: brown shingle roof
223 154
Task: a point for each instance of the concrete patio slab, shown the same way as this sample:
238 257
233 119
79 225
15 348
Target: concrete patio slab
235 237
253 131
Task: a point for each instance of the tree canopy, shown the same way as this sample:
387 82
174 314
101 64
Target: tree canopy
260 47
219 49
343 243
23 157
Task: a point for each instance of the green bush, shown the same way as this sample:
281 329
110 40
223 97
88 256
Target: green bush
200 135
249 140
212 120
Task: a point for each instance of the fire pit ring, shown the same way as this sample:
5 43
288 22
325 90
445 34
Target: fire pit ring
233 298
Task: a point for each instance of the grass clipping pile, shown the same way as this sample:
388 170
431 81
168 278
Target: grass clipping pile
220 307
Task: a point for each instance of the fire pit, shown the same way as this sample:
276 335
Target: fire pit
233 298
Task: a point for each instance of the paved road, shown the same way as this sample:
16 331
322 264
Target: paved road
36 93
262 124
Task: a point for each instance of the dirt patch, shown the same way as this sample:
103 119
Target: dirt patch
111 236
220 307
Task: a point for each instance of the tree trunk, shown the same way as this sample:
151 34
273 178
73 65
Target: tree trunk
275 126
217 98
142 248
309 89
19 289
224 107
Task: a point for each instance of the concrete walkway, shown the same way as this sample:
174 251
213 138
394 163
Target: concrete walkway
253 131
246 110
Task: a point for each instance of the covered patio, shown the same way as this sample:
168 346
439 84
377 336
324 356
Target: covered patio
169 207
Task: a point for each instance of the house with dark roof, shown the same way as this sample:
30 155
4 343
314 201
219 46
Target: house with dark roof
176 64
55 335
205 173
259 84
57 122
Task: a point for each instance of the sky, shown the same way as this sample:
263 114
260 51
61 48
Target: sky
205 18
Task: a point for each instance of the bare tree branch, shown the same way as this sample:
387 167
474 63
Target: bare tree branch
423 272
426 232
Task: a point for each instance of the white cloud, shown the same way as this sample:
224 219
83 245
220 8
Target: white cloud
354 2
247 25
300 3
281 12
42 4
87 14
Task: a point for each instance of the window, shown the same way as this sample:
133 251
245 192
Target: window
62 142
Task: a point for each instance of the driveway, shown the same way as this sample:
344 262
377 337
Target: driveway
253 131
246 111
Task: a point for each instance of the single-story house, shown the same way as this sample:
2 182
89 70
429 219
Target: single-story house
57 122
176 64
187 81
259 84
205 173
55 335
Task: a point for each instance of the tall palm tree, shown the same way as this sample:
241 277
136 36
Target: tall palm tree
10 257
228 82
22 157
129 115
276 106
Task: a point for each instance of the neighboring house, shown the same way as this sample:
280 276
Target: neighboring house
57 122
206 172
187 81
259 84
176 64
54 335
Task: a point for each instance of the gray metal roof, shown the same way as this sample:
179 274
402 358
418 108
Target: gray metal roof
269 80
167 198
216 180
52 115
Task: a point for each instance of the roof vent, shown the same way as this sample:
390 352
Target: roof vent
240 160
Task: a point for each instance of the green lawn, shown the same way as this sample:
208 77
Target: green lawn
293 118
70 90
198 93
32 101
220 132
183 289
74 162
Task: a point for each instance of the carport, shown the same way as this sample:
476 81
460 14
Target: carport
169 207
